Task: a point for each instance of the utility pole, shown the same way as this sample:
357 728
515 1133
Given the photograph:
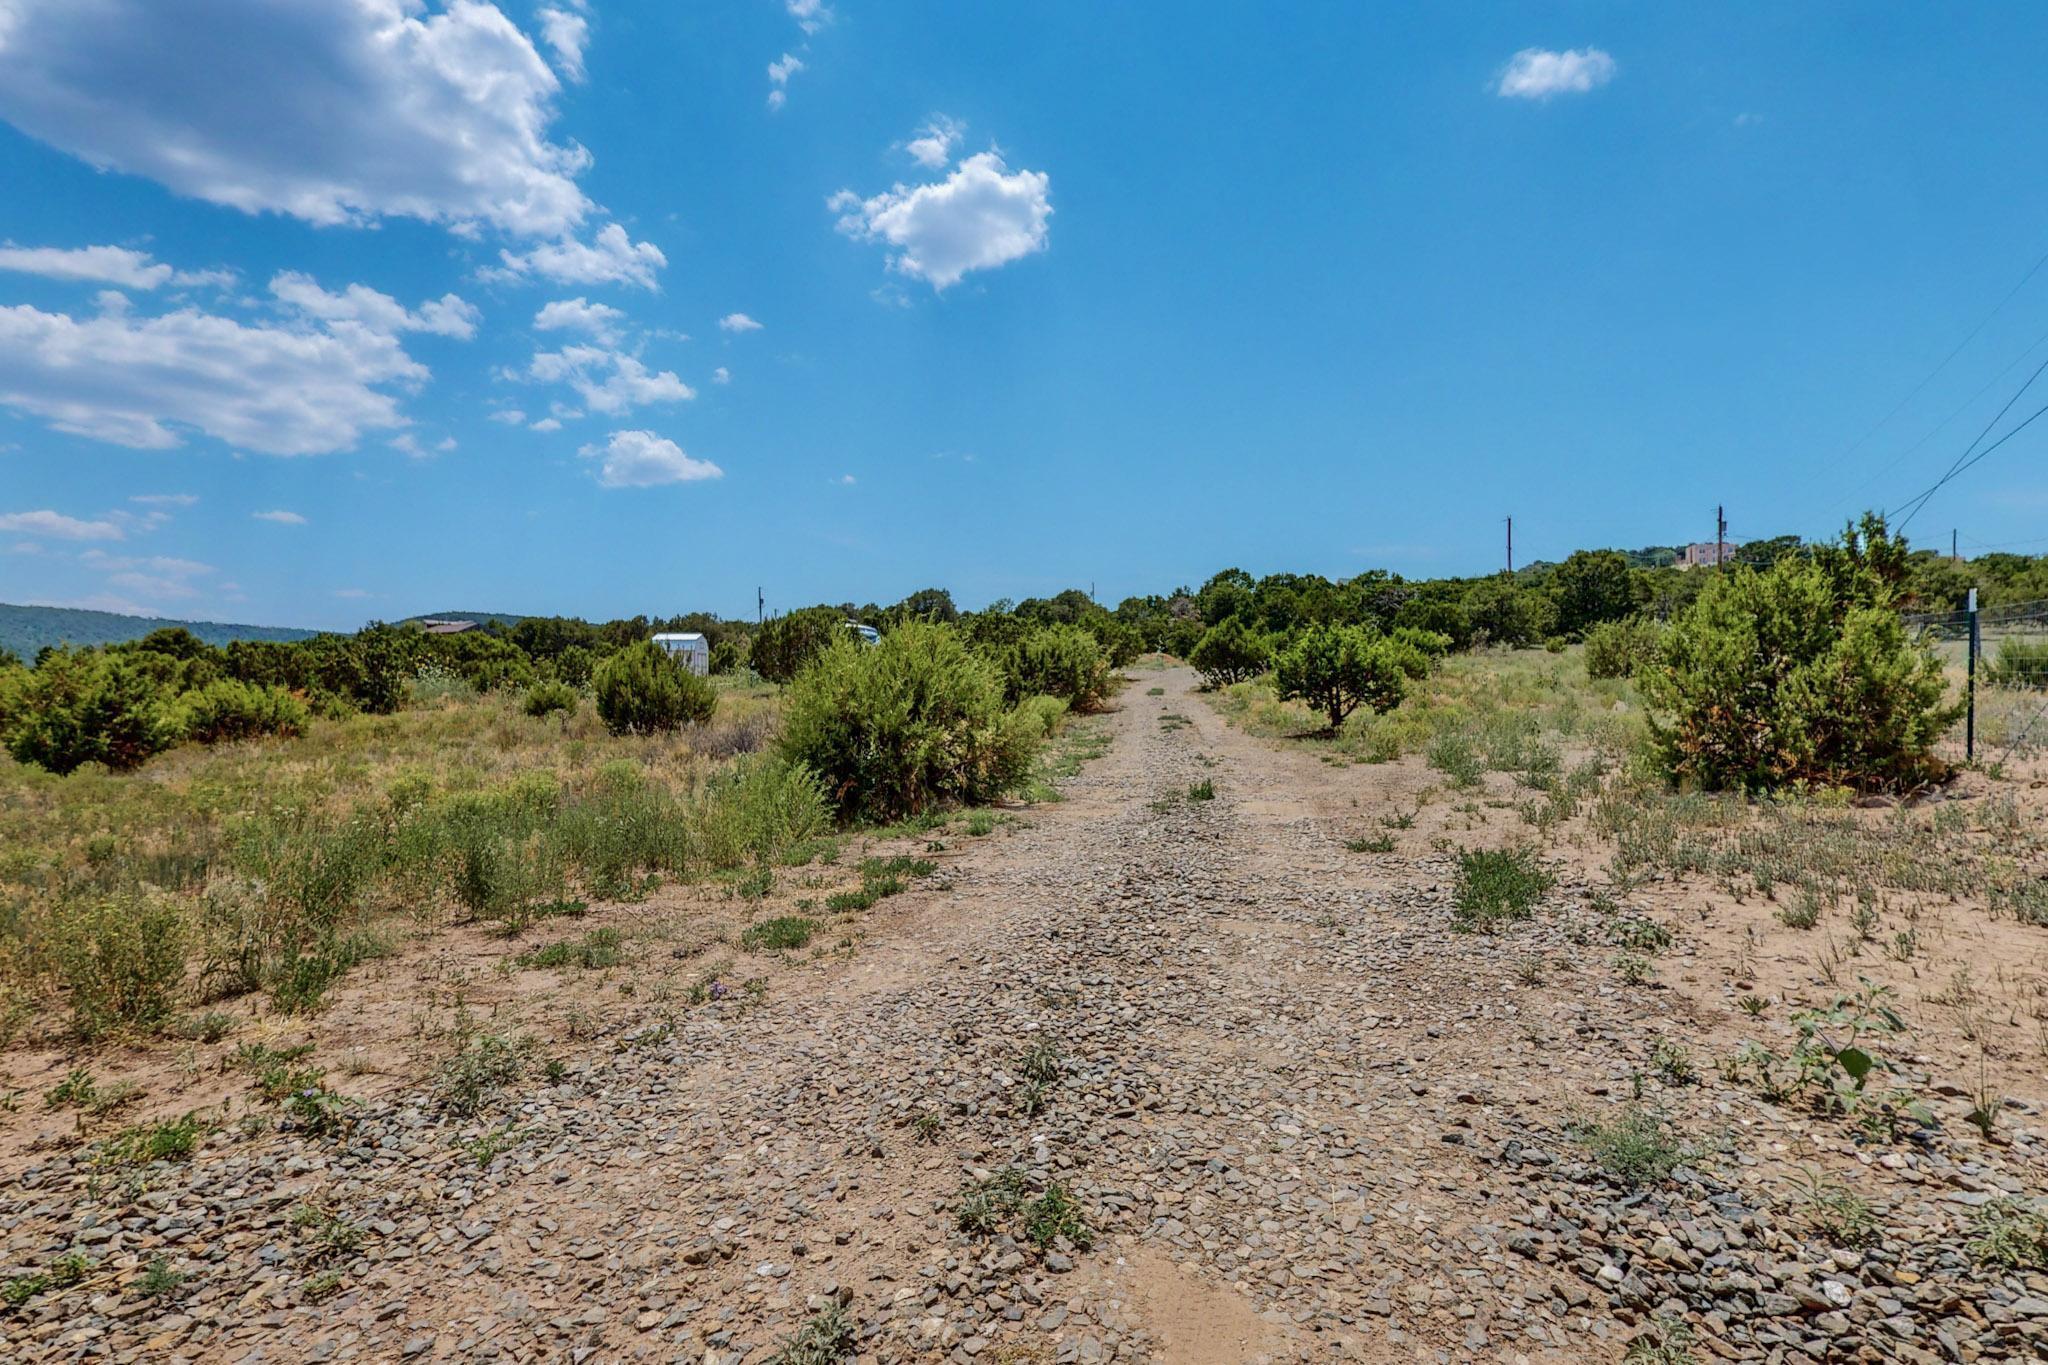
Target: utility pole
1976 646
1953 557
1511 547
1720 537
760 607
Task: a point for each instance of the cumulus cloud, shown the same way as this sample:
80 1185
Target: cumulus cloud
610 258
981 216
1537 73
640 459
104 265
934 143
721 375
333 113
738 322
58 526
166 499
580 315
567 34
139 382
779 72
608 381
280 516
358 304
511 417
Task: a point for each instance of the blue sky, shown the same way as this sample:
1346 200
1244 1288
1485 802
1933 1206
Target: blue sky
314 311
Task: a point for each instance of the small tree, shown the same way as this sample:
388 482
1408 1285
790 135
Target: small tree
1336 669
1057 661
784 645
643 688
913 722
1616 649
1231 651
1802 672
1592 586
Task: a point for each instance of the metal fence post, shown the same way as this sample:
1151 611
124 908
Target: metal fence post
1976 644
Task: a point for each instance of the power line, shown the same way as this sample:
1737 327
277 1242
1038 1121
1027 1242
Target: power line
1915 504
1895 461
2007 544
1914 392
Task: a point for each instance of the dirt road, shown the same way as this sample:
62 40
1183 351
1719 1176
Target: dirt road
1303 1119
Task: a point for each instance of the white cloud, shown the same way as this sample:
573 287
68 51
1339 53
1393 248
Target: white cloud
612 258
165 499
934 143
280 390
511 417
981 216
779 72
1537 73
640 459
547 424
59 526
721 375
810 15
629 383
580 315
330 112
447 316
107 264
158 576
846 480
280 516
738 322
567 34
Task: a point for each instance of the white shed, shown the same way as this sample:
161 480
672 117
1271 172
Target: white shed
690 646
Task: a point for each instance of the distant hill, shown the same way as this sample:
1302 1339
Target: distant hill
24 630
480 617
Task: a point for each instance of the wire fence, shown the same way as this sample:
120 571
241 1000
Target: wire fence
2001 654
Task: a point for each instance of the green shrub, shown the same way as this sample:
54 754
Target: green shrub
1498 885
782 933
1616 649
2018 663
1637 1147
544 699
1231 651
784 645
1336 669
597 949
643 689
87 706
759 807
225 710
1057 661
1041 717
122 961
1803 672
913 722
621 826
1433 644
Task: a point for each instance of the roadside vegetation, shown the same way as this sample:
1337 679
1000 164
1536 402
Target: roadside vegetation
183 825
